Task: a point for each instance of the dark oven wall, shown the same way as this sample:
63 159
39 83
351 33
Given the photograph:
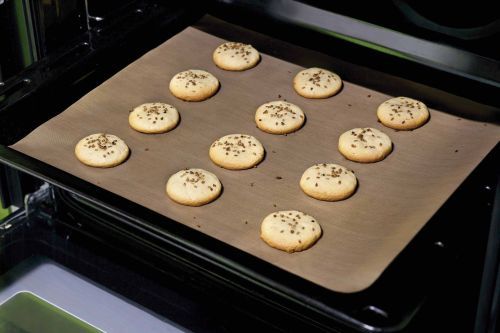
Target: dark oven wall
55 53
32 30
472 28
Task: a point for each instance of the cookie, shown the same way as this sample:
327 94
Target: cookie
403 113
365 145
279 117
193 187
233 56
290 230
317 83
194 85
328 182
236 151
153 118
101 150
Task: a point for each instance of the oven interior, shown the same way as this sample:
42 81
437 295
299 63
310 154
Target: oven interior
170 277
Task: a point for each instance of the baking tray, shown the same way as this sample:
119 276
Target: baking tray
362 235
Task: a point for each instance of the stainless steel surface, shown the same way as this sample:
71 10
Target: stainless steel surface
80 297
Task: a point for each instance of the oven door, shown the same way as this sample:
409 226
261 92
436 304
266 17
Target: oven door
119 273
67 266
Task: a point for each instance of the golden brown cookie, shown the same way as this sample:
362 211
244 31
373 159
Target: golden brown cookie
365 145
193 187
403 113
290 230
317 83
236 151
194 85
101 150
233 56
328 182
153 118
279 117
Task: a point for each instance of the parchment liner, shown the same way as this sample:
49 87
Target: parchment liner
361 235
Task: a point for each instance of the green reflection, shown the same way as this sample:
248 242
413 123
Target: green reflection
27 313
366 44
22 28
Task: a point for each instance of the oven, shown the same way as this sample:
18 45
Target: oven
77 255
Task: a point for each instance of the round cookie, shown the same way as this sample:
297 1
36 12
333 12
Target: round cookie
279 117
194 85
403 113
236 151
193 187
234 56
316 83
365 145
101 150
290 230
328 182
153 118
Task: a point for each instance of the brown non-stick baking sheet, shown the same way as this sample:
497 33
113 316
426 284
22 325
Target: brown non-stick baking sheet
362 235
